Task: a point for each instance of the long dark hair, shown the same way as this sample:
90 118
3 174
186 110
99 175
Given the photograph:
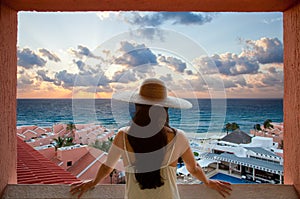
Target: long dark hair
147 171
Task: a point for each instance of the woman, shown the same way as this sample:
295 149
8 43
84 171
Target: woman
150 148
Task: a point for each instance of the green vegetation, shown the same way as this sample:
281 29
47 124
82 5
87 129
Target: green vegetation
104 145
257 127
62 142
71 128
267 124
231 127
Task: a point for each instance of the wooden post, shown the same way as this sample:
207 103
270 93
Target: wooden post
292 96
8 84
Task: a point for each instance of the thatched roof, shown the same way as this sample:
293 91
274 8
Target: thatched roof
237 137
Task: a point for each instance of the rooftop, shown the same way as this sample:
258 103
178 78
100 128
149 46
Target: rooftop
237 137
87 166
34 168
249 162
262 151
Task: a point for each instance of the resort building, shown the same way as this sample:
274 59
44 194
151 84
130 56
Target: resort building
78 160
82 161
89 133
84 134
255 160
276 133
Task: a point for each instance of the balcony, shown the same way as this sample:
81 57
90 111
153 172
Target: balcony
8 81
245 191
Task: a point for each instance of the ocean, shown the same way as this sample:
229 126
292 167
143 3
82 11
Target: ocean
206 115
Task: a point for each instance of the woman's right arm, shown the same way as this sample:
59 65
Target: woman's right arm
193 167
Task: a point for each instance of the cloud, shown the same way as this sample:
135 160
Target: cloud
173 62
273 79
49 55
273 20
103 15
98 89
189 72
25 79
83 51
154 19
43 76
135 55
20 70
80 64
198 83
124 76
70 80
256 53
272 70
29 59
167 78
65 79
234 82
25 82
270 78
149 33
228 64
265 50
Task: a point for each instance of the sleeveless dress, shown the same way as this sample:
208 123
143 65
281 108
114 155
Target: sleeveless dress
167 191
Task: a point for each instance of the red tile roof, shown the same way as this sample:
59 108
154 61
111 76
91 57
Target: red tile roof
85 161
34 168
87 166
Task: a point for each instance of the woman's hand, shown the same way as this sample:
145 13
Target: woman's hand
81 187
222 187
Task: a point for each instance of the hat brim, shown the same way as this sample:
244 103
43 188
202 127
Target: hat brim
135 97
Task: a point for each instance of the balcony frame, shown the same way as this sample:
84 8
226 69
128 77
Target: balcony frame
8 63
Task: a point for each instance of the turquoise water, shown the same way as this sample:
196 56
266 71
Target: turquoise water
206 115
232 180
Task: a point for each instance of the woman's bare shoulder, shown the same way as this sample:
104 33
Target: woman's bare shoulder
119 137
181 137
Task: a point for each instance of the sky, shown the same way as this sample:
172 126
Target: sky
197 55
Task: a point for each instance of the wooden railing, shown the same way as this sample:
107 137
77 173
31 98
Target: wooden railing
241 191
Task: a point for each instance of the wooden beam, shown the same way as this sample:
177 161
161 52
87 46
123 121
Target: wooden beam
151 5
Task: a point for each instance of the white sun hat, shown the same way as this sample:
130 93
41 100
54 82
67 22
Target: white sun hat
152 92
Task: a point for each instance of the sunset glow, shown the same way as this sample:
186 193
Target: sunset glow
93 55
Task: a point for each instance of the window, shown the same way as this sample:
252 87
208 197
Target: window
69 163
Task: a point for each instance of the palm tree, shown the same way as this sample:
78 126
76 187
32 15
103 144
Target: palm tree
257 127
68 141
71 128
267 124
228 127
234 126
231 127
111 139
59 142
